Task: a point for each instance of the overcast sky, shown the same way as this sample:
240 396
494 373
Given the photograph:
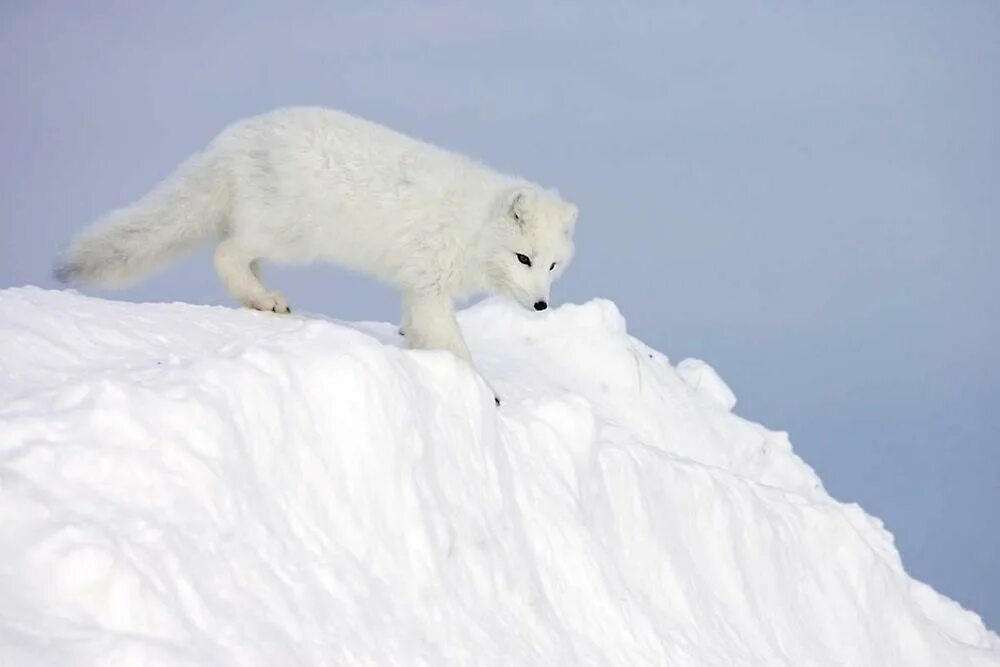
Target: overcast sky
807 197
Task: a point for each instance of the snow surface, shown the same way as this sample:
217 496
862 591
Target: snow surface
200 485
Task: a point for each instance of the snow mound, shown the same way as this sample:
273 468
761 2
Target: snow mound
199 485
703 378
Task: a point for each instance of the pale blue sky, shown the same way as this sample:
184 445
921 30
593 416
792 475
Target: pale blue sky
806 196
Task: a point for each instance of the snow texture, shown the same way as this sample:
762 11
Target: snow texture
200 485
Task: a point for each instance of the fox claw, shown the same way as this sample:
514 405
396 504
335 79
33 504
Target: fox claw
273 302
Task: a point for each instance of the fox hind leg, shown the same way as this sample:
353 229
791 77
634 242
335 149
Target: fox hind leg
404 322
239 272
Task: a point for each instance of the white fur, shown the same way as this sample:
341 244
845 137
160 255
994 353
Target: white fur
310 184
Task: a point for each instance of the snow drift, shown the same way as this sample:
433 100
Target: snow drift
199 485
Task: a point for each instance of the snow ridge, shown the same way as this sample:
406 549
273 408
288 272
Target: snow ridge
199 485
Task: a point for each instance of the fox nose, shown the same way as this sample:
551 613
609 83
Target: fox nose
541 305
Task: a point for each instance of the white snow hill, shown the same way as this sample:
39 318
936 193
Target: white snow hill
192 485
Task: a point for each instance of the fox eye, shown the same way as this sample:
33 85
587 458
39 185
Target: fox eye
524 259
553 266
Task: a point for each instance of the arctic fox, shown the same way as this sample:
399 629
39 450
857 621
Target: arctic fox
312 184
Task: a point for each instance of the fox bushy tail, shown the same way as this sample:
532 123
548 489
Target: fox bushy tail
132 242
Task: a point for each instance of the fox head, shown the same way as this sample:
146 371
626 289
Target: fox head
531 244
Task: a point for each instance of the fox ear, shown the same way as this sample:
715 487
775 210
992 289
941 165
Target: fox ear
571 213
517 210
568 219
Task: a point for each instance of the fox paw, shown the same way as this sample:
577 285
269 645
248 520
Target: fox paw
270 302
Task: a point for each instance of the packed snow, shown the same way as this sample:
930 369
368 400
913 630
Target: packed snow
188 484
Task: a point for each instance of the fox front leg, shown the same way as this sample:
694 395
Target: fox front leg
429 324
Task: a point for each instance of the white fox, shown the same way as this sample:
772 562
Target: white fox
310 184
